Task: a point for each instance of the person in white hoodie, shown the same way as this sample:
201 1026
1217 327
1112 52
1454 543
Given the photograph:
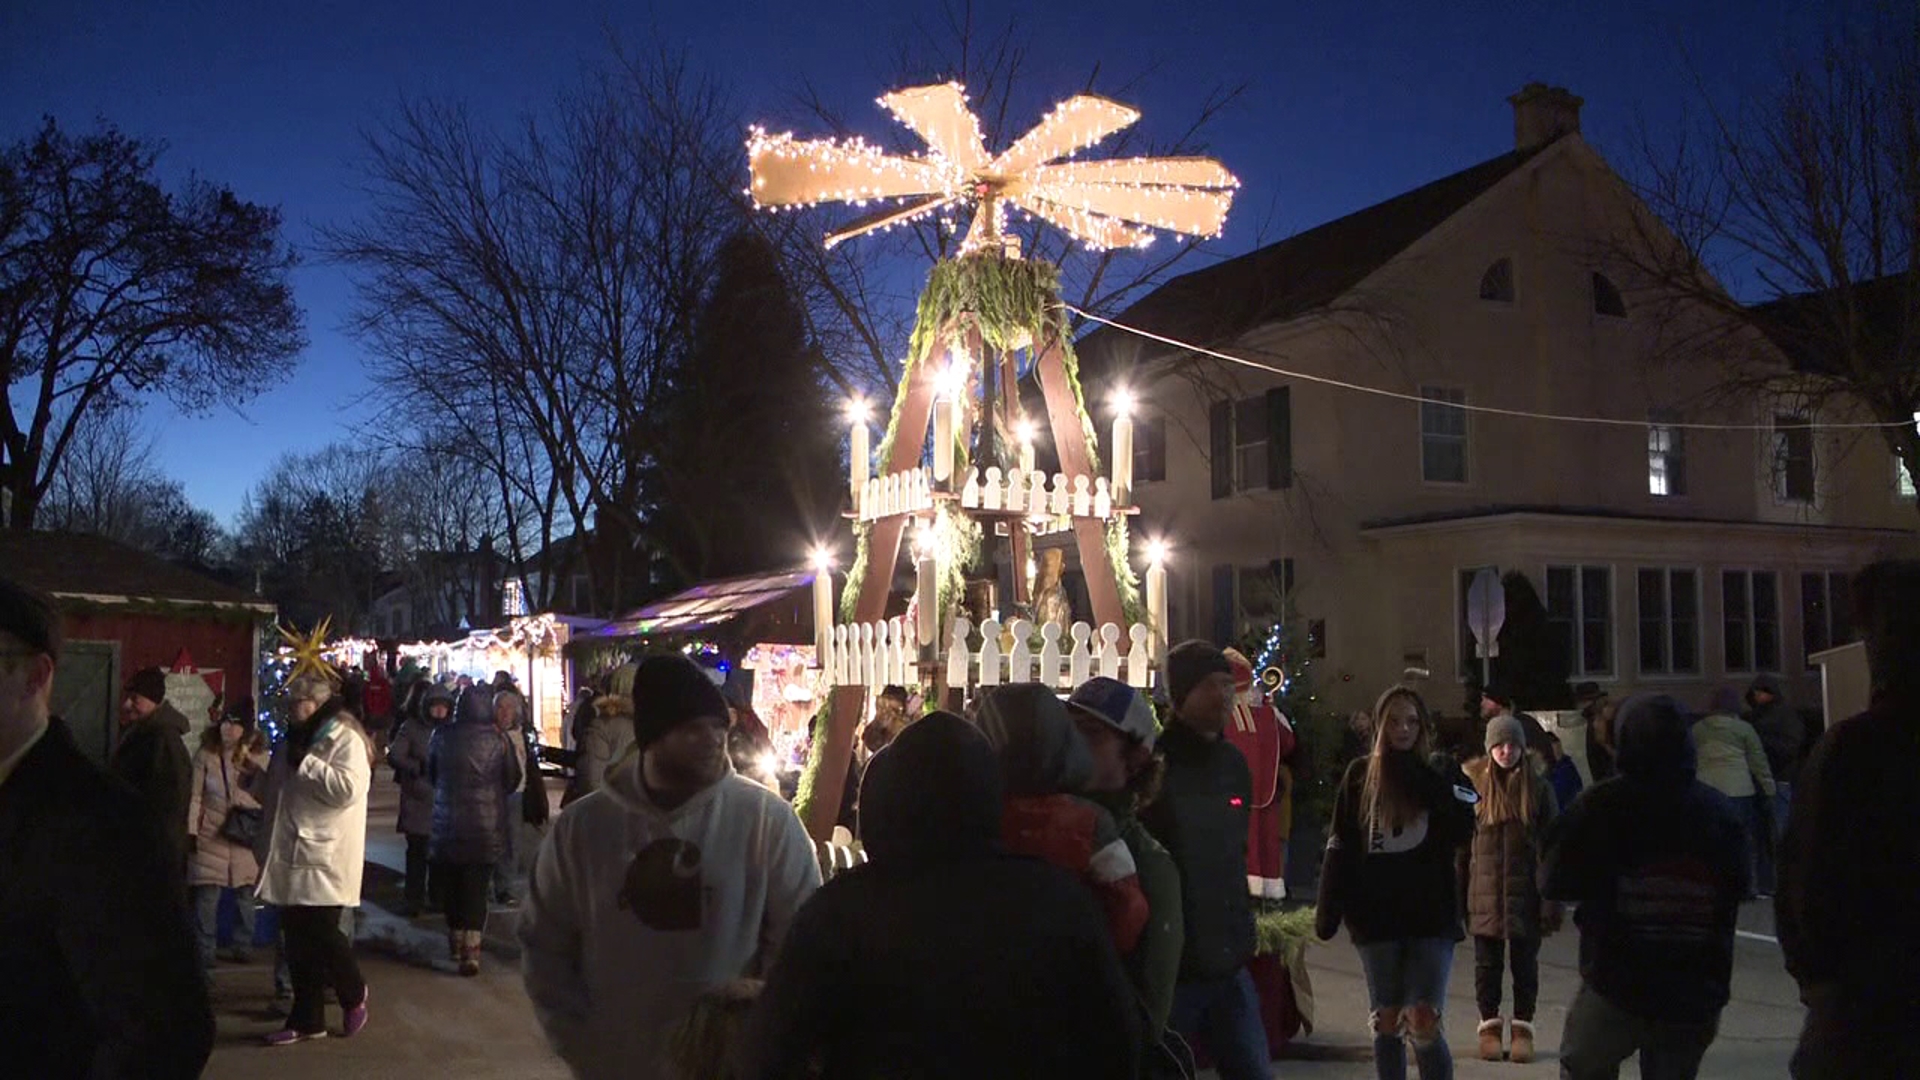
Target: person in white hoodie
673 878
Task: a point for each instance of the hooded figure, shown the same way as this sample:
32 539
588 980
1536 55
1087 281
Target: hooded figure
944 956
1045 764
1779 726
1657 863
1850 865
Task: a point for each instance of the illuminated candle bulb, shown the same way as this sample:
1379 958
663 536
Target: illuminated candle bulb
942 441
859 458
1122 448
1157 595
822 603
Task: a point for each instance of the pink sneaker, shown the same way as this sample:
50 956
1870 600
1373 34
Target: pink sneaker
288 1036
356 1016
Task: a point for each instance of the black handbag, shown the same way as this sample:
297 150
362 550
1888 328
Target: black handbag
242 825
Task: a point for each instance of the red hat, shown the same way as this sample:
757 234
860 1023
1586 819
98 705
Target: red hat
1242 669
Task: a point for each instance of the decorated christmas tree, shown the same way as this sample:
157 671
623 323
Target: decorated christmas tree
975 503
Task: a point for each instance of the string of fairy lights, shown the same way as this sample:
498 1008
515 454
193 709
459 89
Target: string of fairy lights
1106 204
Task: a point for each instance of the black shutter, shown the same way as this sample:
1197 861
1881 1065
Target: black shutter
1280 437
1225 612
1220 424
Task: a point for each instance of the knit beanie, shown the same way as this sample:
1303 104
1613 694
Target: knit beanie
669 690
149 683
1189 662
1505 728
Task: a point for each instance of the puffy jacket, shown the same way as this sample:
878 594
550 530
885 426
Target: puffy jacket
1154 964
1044 761
1657 863
219 786
472 768
1201 818
408 756
1731 760
1502 861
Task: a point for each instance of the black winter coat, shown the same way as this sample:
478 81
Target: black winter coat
1850 881
1657 862
101 974
152 758
944 957
1201 819
473 769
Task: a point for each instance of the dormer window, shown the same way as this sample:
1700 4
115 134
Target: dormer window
1606 297
1497 283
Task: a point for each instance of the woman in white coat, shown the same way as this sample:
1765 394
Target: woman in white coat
317 855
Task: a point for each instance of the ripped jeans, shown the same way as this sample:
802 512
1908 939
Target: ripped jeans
1407 987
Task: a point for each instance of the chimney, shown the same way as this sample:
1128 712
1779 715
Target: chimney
1543 113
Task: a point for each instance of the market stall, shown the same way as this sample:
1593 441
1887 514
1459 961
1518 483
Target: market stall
531 649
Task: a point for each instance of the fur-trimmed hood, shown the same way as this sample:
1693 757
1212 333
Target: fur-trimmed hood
609 705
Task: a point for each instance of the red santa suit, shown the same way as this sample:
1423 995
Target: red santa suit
1265 738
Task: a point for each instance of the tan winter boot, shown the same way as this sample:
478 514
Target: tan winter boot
1490 1033
1522 1042
470 954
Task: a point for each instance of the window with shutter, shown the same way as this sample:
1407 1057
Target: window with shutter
1220 446
1280 437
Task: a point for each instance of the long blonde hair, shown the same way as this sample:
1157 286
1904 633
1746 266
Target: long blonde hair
1383 806
1506 794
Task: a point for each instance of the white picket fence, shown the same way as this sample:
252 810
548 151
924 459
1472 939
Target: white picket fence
1029 493
908 492
878 654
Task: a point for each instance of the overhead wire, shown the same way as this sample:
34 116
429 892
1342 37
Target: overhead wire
1491 410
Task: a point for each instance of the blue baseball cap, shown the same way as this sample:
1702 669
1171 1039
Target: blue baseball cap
1119 706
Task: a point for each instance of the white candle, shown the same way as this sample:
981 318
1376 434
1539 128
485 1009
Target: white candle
1122 459
822 612
1026 456
926 591
859 460
1157 607
942 440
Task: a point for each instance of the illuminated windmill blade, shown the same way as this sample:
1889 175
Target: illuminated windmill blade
892 215
790 173
1073 125
1189 172
940 116
1093 230
1194 212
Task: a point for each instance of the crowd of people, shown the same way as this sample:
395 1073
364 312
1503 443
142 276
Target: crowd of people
1052 888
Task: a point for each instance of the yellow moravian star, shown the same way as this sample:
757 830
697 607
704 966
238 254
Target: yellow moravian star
307 650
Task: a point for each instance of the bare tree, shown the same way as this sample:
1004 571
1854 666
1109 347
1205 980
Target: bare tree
1809 194
107 484
112 287
529 295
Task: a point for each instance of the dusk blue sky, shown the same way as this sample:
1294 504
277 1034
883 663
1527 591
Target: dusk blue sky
1346 104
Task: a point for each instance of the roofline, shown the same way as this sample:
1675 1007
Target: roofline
102 598
1471 522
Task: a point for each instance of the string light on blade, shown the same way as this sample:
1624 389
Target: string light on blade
1105 204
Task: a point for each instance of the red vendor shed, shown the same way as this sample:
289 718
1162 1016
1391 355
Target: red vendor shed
124 610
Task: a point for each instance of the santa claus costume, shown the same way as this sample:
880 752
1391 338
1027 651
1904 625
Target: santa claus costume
1265 737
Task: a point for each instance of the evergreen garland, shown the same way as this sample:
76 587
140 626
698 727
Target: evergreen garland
1011 302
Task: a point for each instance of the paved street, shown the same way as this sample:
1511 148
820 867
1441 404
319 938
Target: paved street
428 1023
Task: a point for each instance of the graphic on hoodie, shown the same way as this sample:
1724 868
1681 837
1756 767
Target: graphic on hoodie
662 886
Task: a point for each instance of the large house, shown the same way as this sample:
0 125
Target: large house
1668 556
